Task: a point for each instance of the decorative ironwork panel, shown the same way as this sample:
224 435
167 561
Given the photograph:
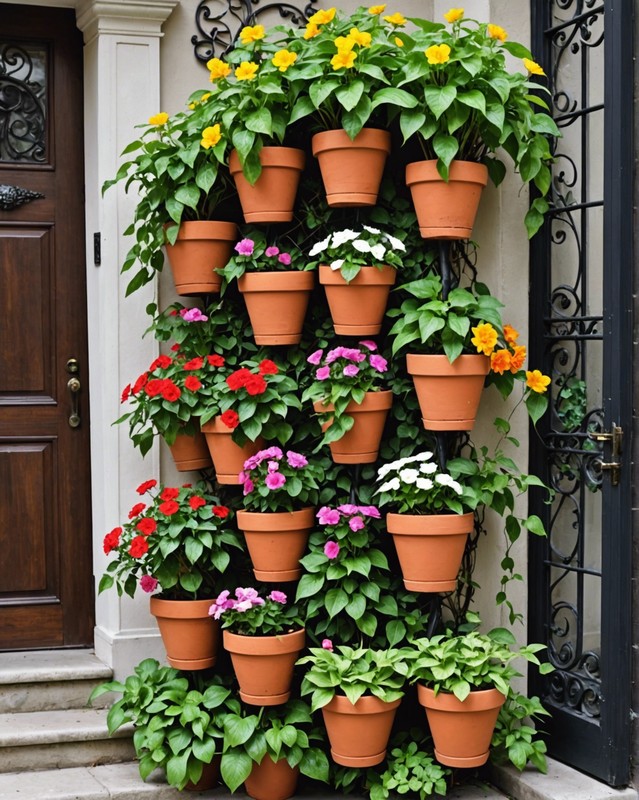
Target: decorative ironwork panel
23 99
218 22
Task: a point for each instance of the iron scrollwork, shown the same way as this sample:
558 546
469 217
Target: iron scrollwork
219 22
22 105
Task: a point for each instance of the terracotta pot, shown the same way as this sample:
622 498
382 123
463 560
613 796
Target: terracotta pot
276 303
446 210
448 394
461 731
228 457
352 168
272 197
209 779
189 635
272 780
430 548
358 734
200 248
357 308
361 444
190 452
263 665
276 541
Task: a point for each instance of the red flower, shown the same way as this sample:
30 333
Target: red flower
187 485
139 546
221 511
138 508
173 313
192 383
170 493
230 418
125 393
169 508
194 363
256 385
215 360
144 487
163 362
155 387
236 380
268 367
140 383
147 526
171 392
175 348
112 540
196 502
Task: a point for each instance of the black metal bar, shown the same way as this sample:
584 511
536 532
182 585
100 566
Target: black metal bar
355 475
573 21
579 113
568 568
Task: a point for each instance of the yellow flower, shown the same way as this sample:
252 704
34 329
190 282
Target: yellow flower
311 30
191 106
283 59
485 338
399 42
218 69
377 9
252 33
437 54
496 32
321 17
533 67
205 97
361 38
246 71
210 136
454 14
510 334
537 381
500 361
344 44
159 119
396 19
343 60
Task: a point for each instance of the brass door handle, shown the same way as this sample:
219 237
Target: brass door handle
74 386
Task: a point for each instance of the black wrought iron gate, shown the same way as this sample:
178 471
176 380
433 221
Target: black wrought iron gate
581 323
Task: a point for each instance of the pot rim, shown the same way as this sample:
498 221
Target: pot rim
338 139
477 700
367 276
273 156
429 524
264 645
439 365
373 401
459 170
367 704
205 229
291 520
267 281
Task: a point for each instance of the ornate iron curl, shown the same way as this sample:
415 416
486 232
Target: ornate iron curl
219 22
22 107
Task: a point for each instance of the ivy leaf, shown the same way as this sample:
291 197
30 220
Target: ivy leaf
235 768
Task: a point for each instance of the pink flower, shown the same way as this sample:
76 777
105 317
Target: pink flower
193 315
248 487
327 645
245 247
277 597
270 452
334 354
148 583
246 598
315 357
328 516
253 461
348 508
273 466
331 549
242 477
275 480
323 373
369 344
271 251
221 604
351 371
296 460
379 363
369 511
353 354
284 258
356 524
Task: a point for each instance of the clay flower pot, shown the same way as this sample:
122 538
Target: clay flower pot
352 168
357 308
430 548
358 734
200 248
263 665
228 457
190 452
448 394
272 780
276 303
276 541
446 210
461 731
272 197
361 444
189 635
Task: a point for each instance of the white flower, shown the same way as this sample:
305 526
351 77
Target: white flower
383 470
397 244
392 485
428 469
424 483
425 456
443 479
319 247
371 230
378 251
456 487
361 246
335 265
409 475
341 237
401 462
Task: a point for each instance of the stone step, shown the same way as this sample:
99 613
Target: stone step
44 680
58 739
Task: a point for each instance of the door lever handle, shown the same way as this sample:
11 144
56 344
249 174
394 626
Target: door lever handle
74 386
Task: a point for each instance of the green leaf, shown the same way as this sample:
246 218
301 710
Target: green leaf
260 121
410 121
536 404
446 148
474 98
396 97
189 195
349 96
320 90
439 98
235 768
535 525
336 601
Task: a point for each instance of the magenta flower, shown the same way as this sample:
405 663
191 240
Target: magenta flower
277 597
331 549
273 466
348 508
248 487
284 258
328 516
323 373
368 343
252 462
334 354
245 247
356 524
327 645
272 251
246 598
315 357
275 480
296 460
193 315
148 583
270 452
370 511
221 604
379 363
351 370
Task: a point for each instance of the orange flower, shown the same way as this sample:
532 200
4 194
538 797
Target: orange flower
500 361
510 334
518 358
496 32
537 381
485 338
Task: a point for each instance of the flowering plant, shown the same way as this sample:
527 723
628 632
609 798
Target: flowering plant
254 254
468 104
167 398
344 375
177 541
275 481
252 401
248 614
348 251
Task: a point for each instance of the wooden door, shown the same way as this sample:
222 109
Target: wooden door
46 586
